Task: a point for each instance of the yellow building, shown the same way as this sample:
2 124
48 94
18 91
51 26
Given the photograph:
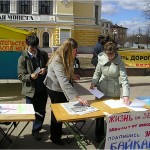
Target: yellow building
54 21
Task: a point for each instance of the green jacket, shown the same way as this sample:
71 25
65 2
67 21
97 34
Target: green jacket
25 69
107 75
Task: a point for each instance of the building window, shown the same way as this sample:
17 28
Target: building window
5 6
24 6
45 39
96 14
64 34
45 7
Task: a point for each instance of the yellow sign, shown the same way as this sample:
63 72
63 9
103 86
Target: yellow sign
136 59
12 45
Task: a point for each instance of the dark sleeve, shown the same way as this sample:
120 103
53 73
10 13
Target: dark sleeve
97 49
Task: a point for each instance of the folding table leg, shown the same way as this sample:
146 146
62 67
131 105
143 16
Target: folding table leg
9 132
4 134
19 135
80 142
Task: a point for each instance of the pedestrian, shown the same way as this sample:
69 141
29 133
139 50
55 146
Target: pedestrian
98 48
58 82
31 72
109 69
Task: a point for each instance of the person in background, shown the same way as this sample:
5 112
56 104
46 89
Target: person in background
109 69
32 82
58 83
98 49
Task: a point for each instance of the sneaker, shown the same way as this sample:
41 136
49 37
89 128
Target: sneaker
37 135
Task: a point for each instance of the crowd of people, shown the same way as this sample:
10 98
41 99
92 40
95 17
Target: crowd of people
55 79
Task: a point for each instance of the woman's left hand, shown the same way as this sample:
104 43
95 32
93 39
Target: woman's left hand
126 100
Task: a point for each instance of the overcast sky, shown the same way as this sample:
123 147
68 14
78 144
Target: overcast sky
128 13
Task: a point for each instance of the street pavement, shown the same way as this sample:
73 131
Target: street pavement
140 86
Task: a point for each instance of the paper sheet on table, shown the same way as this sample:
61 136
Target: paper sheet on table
119 103
137 103
96 93
37 70
16 109
75 108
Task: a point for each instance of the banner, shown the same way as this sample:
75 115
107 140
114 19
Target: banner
12 45
136 59
128 131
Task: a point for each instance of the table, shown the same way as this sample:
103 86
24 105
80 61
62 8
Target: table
16 119
66 118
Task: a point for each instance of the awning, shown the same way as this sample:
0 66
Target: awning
7 32
12 39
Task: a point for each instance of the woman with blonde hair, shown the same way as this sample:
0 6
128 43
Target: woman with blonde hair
57 81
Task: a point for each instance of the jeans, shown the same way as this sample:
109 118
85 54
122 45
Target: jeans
39 103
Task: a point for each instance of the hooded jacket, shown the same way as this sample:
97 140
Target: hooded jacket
107 75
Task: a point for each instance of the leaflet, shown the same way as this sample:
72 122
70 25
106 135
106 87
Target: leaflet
96 93
37 70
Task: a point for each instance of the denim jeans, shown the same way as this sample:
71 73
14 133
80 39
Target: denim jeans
39 103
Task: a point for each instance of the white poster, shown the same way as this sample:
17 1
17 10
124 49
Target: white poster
128 131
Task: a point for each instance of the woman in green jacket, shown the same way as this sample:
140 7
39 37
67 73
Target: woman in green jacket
109 70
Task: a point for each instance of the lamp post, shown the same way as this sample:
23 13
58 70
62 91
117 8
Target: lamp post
138 37
114 34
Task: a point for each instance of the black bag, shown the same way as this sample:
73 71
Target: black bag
94 60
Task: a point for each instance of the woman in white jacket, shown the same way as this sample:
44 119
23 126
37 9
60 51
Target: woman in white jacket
58 82
109 69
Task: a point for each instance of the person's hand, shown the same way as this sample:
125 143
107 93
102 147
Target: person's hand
43 71
76 77
126 100
83 102
34 76
92 86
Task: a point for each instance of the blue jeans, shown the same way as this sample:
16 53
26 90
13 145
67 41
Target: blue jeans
39 103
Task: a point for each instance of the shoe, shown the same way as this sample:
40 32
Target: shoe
37 135
60 142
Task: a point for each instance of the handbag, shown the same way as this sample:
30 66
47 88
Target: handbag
94 60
